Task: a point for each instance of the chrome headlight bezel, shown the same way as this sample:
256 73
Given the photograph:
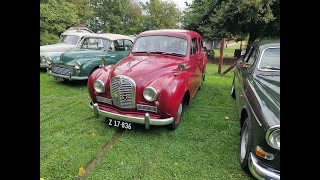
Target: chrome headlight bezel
150 94
48 60
273 137
99 86
43 59
77 65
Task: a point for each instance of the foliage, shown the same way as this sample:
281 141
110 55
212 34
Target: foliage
215 19
47 38
55 17
161 15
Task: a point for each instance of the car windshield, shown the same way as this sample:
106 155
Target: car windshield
270 59
161 44
95 43
69 39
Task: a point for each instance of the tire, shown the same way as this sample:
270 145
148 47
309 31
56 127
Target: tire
201 82
233 92
175 124
245 144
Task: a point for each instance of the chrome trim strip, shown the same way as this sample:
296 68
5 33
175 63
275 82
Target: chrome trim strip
104 100
67 77
147 108
270 70
140 120
260 172
254 114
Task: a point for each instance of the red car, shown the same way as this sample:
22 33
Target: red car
152 85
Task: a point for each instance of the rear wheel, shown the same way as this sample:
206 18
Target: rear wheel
245 144
176 123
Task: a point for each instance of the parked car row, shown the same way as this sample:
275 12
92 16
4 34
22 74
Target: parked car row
151 79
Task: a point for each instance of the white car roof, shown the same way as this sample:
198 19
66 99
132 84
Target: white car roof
111 36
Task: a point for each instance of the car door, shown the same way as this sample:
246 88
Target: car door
194 66
119 49
244 79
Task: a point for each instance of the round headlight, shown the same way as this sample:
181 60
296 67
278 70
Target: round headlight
77 65
99 86
273 137
150 94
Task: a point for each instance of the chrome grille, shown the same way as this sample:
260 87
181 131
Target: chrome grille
62 70
147 108
104 100
123 90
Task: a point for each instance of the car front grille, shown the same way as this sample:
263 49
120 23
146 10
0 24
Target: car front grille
123 90
62 70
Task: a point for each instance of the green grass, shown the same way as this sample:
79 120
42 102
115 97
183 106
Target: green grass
229 51
205 146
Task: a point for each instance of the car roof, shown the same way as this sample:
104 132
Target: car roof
171 32
268 43
76 33
111 36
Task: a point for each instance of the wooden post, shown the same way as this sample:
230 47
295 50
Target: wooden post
221 55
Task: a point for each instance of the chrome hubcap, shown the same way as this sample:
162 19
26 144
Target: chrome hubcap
244 143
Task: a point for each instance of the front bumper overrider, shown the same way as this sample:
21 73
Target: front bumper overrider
260 172
146 120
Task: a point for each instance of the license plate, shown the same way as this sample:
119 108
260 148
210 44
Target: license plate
120 124
58 78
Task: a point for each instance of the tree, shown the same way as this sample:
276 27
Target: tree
217 19
161 15
122 17
55 16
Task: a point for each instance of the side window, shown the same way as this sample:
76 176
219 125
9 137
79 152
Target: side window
251 58
201 44
118 45
127 44
194 46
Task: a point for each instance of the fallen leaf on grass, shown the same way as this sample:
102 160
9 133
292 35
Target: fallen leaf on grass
81 171
226 117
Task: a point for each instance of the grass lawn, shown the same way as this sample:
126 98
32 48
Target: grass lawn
229 51
205 146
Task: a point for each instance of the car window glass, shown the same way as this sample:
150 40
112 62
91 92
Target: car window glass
252 56
270 59
119 45
127 44
194 46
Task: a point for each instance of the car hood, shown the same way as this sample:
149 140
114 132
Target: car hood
145 69
81 55
271 83
57 47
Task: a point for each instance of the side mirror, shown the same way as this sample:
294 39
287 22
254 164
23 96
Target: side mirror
103 61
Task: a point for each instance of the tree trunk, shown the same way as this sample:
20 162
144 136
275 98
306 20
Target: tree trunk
252 38
240 45
221 55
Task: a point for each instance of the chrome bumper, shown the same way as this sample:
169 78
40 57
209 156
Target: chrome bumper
65 76
44 65
260 172
146 120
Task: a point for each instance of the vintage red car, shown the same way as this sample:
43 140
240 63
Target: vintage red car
152 85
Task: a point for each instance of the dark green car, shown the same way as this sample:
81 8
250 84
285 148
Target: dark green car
256 87
78 64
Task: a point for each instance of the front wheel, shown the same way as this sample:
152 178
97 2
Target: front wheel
176 123
245 144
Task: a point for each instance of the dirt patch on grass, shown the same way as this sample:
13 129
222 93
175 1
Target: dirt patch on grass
96 160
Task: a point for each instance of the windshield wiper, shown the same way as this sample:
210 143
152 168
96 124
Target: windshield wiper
155 52
269 67
173 54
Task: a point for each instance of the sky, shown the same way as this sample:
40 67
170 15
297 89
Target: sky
180 3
